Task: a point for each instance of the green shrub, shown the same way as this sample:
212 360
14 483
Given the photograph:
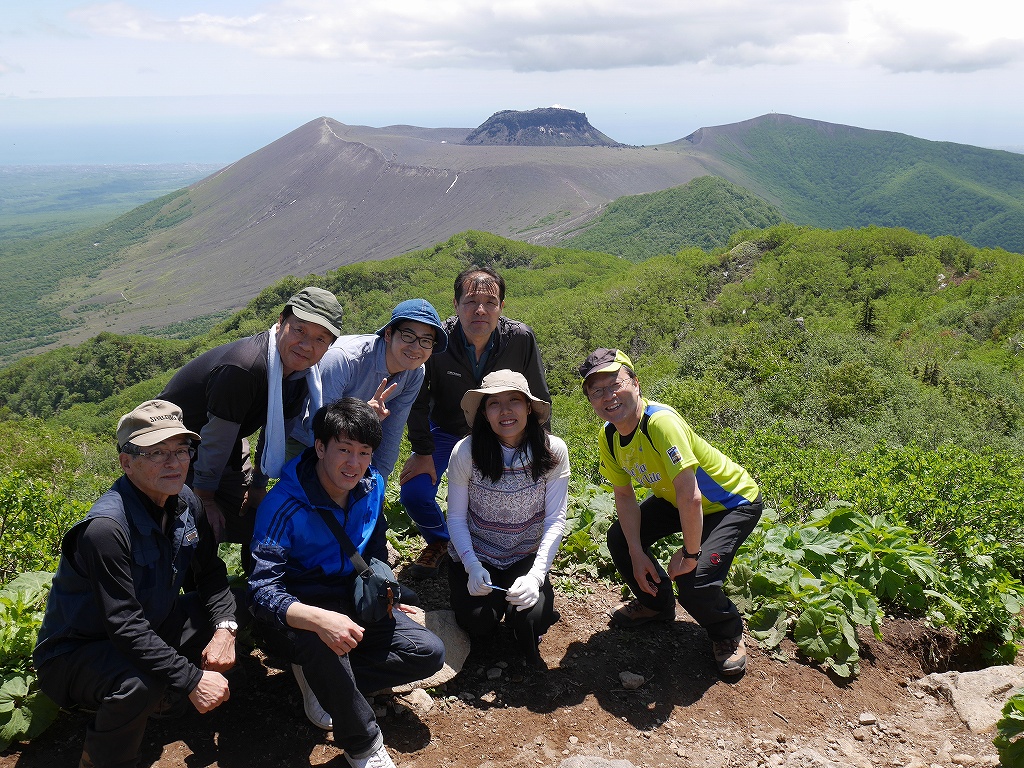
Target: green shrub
32 523
25 711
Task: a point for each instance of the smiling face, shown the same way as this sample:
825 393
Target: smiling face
615 398
159 480
507 413
404 347
478 309
342 464
301 343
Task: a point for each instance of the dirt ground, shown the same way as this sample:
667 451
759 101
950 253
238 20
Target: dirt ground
497 713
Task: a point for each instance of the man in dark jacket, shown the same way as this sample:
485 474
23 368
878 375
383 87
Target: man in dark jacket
118 637
480 341
259 382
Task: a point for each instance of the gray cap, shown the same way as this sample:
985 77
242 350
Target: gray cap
150 423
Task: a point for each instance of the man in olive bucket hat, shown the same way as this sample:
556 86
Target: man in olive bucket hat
259 382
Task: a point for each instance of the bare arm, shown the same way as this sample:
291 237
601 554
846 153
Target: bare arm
691 521
338 632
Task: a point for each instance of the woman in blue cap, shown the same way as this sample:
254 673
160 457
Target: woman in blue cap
384 369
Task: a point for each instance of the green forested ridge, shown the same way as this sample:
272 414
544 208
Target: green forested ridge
870 380
702 214
836 176
34 267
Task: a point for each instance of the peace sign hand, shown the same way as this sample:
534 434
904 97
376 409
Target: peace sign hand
380 396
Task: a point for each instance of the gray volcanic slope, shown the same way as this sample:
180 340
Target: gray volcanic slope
329 194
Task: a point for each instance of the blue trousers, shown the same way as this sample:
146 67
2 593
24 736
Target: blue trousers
419 495
700 590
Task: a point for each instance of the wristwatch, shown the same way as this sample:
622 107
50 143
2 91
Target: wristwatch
228 624
688 556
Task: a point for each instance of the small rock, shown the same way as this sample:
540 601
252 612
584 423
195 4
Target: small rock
867 718
380 712
861 734
631 681
489 698
574 740
493 673
417 700
963 759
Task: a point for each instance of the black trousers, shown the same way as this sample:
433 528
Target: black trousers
479 616
96 676
394 651
700 590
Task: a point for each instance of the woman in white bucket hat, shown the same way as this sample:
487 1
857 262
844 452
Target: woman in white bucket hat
508 486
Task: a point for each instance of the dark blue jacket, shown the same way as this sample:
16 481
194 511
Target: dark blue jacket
82 607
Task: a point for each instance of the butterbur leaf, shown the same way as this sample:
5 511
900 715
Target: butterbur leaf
817 634
768 625
1009 742
14 729
42 712
12 692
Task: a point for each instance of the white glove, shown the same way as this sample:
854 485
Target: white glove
525 591
478 580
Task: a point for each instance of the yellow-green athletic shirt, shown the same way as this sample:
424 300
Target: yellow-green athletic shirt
661 447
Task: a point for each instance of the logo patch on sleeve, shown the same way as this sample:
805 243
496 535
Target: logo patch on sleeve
673 455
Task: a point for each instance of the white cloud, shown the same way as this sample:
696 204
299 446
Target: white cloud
523 35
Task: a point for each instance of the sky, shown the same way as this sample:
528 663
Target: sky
210 81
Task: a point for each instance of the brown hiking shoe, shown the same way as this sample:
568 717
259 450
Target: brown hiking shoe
428 564
635 614
730 655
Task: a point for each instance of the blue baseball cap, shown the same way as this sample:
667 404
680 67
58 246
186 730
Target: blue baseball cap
420 311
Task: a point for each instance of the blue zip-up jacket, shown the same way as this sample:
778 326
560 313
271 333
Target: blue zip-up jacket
296 557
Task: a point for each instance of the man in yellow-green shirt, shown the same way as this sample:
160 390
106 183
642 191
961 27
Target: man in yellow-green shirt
696 490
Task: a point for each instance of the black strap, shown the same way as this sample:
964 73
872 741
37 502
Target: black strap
609 431
346 543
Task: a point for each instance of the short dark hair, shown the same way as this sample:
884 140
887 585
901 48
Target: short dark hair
478 277
349 418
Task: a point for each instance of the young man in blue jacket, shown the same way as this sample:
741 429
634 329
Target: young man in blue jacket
302 583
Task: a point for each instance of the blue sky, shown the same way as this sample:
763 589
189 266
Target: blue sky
213 80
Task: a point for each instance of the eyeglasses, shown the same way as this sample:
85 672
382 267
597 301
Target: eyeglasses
597 393
161 455
408 337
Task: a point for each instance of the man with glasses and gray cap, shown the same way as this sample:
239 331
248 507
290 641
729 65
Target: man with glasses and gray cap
118 636
696 490
261 382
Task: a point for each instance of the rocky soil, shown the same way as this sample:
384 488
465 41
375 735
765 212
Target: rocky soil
580 713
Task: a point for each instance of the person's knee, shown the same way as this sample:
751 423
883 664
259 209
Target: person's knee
418 493
616 538
138 695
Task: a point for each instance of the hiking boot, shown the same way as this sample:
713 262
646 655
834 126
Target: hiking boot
635 614
428 564
378 759
316 714
730 655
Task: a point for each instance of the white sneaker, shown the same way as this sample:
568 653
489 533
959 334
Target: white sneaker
379 759
316 714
